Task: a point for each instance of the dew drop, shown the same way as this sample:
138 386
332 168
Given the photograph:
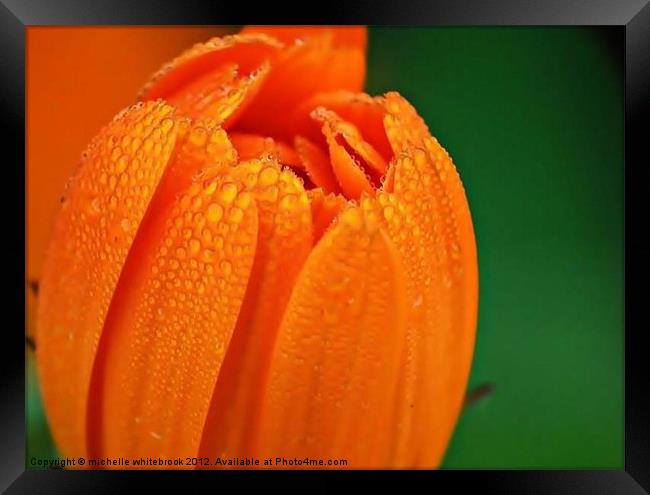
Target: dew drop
226 267
288 202
271 194
208 255
195 246
330 315
243 200
236 215
210 188
228 192
166 125
268 176
96 205
251 180
352 218
121 164
207 235
215 212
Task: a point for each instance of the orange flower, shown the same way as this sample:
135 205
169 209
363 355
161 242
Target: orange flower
257 260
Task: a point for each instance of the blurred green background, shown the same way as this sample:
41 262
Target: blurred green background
533 118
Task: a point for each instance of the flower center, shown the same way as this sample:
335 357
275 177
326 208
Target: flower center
340 147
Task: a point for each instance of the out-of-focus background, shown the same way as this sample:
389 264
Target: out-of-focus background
533 118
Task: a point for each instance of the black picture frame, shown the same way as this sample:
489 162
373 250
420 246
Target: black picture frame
632 16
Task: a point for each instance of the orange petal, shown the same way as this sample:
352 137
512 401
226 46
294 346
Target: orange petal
251 146
104 204
298 72
350 138
248 52
404 127
428 219
216 79
355 36
362 111
334 367
284 242
177 304
221 95
317 164
355 163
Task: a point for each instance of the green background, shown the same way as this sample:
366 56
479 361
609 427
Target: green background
533 118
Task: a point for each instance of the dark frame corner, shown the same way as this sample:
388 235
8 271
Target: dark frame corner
632 16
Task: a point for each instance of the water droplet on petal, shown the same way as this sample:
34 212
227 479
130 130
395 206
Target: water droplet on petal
215 212
195 246
228 192
121 164
236 215
268 176
226 267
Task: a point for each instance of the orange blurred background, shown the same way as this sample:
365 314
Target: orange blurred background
77 79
